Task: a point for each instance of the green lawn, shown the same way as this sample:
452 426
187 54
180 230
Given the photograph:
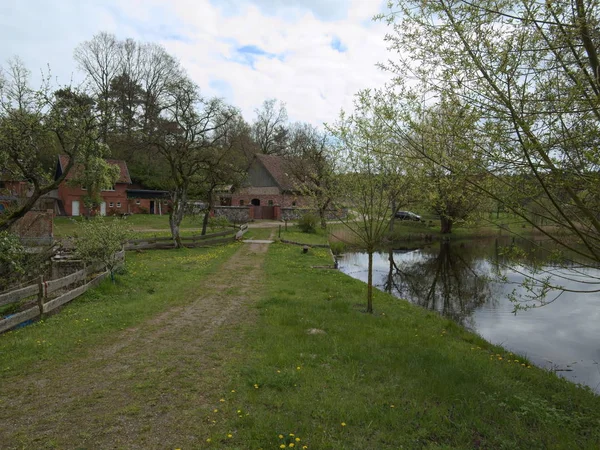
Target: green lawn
159 225
400 378
152 282
294 234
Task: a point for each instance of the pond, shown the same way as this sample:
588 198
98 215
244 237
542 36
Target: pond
471 283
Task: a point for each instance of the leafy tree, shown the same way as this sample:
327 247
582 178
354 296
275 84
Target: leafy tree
95 174
531 70
35 124
99 240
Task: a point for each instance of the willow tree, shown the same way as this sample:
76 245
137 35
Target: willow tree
368 179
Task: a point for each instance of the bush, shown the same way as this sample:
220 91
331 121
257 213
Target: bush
337 247
308 223
12 256
217 222
99 239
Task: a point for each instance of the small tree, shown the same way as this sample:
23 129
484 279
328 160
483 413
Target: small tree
99 240
368 181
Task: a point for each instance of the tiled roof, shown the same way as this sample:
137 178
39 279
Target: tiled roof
123 177
277 166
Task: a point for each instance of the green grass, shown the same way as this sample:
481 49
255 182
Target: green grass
67 226
294 234
153 281
400 378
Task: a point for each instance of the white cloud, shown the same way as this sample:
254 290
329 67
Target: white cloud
313 78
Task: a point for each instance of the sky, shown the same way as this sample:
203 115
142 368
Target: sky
313 56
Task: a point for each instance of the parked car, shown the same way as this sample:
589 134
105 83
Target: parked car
407 215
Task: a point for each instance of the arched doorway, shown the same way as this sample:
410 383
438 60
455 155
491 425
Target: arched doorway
255 201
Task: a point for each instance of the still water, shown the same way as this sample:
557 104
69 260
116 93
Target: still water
461 281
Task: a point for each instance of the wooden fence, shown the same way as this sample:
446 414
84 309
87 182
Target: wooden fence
44 289
187 241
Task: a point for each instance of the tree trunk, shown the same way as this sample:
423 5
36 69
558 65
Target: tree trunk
446 225
323 214
205 221
207 214
370 284
176 215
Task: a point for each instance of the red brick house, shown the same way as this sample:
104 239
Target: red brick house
269 186
123 198
114 201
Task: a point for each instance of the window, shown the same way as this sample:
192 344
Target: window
118 204
241 202
111 204
137 202
112 188
270 202
83 188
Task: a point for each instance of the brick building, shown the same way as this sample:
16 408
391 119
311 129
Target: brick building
114 200
268 188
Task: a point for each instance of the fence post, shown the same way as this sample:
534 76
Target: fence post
41 295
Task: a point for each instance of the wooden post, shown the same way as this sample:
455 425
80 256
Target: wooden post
41 295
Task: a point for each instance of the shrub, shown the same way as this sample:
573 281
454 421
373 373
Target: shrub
217 222
12 257
337 247
99 239
308 223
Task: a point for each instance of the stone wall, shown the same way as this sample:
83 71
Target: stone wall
291 214
235 214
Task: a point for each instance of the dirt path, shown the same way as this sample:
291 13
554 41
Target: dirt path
152 387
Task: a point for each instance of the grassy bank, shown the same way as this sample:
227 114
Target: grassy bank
317 372
153 281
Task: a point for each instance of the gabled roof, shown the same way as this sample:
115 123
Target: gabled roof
278 168
124 177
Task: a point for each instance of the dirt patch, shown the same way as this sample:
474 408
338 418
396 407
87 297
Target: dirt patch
152 386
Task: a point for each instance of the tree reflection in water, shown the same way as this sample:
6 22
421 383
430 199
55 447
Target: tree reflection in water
453 282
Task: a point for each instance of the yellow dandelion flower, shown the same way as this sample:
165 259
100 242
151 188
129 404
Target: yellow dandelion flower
282 446
230 435
305 447
291 444
256 386
233 391
392 406
215 410
279 371
298 368
209 440
297 439
292 434
343 424
280 436
222 400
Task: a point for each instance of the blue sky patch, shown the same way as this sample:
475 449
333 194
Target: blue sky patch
337 44
248 54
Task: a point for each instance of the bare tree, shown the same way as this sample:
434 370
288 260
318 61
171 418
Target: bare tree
312 165
188 131
270 128
100 60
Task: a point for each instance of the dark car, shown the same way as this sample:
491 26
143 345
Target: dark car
407 215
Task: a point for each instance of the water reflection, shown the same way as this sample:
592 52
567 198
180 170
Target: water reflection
460 281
